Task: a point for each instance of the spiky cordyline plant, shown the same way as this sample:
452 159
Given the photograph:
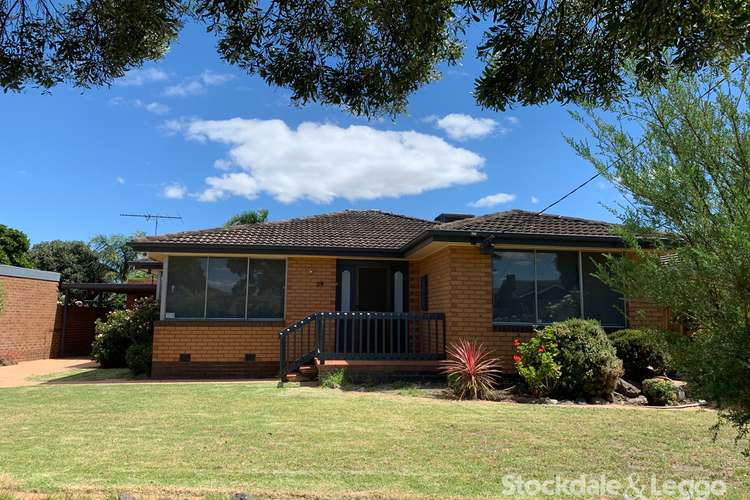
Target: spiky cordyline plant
471 370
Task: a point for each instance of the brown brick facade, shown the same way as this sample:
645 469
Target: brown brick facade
28 318
459 282
218 348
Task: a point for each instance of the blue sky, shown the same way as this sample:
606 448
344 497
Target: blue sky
163 140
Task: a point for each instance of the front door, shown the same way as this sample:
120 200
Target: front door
371 286
379 286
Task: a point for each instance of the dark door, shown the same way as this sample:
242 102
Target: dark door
374 286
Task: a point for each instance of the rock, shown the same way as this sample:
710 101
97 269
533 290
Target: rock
241 495
627 389
125 496
548 401
618 398
566 402
580 400
639 400
598 401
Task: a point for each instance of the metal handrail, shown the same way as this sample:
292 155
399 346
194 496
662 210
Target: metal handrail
362 335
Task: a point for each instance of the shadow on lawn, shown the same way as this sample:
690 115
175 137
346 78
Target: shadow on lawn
89 374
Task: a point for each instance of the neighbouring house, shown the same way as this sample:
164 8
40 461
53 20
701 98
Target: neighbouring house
376 292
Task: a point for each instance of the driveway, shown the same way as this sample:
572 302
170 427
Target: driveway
17 375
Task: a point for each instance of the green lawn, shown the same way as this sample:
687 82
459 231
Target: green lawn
202 438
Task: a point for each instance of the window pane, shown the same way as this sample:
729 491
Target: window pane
186 287
227 287
266 288
513 287
558 292
599 301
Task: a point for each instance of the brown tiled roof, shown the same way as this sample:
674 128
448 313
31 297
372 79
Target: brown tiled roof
374 231
521 222
349 229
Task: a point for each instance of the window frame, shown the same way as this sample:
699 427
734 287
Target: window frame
164 283
582 311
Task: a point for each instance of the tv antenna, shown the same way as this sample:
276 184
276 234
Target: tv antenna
153 217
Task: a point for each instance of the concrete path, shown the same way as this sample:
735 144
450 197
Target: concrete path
17 375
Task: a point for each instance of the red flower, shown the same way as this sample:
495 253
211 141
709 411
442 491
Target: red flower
541 348
516 358
516 342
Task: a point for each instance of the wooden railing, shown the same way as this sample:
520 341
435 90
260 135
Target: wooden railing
362 335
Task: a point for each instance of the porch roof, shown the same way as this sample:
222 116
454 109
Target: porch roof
378 233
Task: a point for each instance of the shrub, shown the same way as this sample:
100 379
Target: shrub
138 358
642 351
334 379
536 363
121 329
471 370
112 340
659 391
588 363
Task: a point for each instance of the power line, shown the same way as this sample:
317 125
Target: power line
640 143
154 217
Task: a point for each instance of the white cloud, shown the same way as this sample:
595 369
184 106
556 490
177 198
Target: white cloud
321 162
197 84
156 108
534 200
120 180
460 127
138 77
493 199
175 191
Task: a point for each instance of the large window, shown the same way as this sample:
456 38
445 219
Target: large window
225 288
544 286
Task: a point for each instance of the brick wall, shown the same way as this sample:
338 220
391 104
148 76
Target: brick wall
28 318
460 284
219 347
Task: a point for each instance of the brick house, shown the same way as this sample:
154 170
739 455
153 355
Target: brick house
373 291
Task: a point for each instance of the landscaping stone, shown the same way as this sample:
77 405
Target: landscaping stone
598 401
627 389
618 398
548 401
241 495
125 496
639 400
580 400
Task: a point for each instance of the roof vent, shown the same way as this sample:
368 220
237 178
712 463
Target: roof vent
452 217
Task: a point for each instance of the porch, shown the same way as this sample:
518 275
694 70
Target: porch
388 342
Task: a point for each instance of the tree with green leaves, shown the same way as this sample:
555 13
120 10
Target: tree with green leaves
681 157
116 255
369 56
14 247
248 217
74 260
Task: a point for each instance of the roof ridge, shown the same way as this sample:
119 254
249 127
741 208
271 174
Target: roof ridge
287 221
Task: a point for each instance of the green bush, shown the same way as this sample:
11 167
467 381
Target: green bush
112 339
660 392
121 329
588 363
334 379
536 363
642 351
138 358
